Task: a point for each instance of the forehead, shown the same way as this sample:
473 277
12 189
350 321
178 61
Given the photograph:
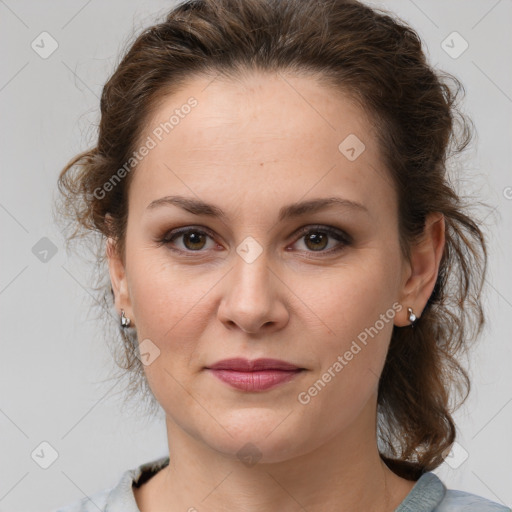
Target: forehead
256 133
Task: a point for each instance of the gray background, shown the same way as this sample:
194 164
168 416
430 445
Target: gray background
54 361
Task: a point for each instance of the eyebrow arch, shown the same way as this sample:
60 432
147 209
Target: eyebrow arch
198 207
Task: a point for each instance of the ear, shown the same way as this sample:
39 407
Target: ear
118 277
421 272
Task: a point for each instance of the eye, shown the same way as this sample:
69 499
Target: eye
193 239
316 238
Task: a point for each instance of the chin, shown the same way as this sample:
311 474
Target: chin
258 441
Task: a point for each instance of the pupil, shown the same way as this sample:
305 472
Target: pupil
316 240
313 237
194 238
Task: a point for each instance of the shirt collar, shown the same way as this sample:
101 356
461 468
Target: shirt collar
427 493
121 498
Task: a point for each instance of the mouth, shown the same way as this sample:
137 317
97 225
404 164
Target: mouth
245 365
256 375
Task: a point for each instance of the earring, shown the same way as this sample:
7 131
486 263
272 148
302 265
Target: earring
412 316
125 322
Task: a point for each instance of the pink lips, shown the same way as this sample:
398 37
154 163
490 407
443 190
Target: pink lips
256 375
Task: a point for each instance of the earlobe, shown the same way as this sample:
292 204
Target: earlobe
424 268
117 278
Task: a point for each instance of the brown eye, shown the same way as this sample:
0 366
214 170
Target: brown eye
192 240
316 240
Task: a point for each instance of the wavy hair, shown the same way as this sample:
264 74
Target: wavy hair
378 61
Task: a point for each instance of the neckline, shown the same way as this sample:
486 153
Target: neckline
149 469
425 495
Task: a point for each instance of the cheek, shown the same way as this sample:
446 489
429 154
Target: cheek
356 309
351 298
169 312
351 362
165 296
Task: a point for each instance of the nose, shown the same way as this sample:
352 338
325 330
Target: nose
254 298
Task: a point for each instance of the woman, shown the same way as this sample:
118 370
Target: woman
293 273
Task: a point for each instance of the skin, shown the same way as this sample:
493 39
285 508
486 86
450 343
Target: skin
250 147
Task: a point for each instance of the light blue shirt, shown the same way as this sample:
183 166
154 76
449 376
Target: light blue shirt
429 494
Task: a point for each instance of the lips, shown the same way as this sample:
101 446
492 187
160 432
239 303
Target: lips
252 376
244 365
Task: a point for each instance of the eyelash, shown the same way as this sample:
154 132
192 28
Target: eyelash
338 235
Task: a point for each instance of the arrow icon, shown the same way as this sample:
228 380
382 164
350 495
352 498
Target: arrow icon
147 352
44 45
351 147
249 249
44 455
454 45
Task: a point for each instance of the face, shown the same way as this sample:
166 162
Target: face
317 288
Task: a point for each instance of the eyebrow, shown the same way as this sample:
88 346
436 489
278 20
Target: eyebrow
198 207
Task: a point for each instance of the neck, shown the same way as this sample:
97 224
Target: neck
344 473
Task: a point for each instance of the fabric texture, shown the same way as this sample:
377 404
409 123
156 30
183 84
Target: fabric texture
429 494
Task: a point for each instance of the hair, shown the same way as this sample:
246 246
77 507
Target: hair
377 61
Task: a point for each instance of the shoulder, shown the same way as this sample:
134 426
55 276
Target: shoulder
455 501
119 498
429 494
93 503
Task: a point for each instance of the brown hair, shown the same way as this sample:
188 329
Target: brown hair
378 61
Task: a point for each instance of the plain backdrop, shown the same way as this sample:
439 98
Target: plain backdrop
53 358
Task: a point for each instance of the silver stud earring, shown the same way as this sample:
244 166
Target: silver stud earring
412 316
125 322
